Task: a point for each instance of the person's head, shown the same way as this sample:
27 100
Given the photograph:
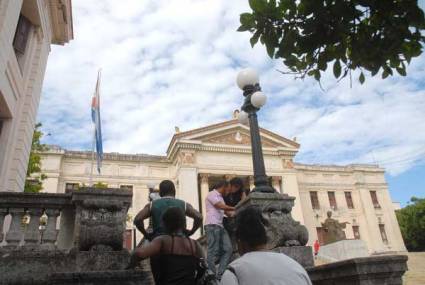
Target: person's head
174 220
236 184
222 187
167 188
250 230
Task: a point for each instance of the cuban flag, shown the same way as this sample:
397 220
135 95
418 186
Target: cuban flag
95 116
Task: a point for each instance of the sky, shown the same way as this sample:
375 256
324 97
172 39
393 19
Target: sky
174 63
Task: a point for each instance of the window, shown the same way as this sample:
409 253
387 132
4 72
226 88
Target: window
375 199
71 187
21 38
320 234
356 232
383 233
126 187
349 200
332 200
314 200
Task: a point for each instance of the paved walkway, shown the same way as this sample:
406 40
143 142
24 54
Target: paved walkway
416 273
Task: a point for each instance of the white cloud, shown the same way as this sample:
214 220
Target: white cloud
174 63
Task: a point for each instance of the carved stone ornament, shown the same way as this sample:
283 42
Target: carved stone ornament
187 157
100 220
282 229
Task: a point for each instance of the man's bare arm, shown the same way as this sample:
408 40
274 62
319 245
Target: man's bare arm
144 214
222 206
196 216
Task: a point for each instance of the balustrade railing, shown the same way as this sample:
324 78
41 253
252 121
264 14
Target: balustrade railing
63 220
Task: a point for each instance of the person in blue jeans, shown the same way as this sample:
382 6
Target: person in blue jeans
219 244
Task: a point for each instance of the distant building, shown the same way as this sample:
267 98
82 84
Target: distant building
196 159
27 29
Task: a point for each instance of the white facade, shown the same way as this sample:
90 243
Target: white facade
27 29
196 159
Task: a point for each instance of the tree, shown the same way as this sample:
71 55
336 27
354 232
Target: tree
365 35
33 182
412 224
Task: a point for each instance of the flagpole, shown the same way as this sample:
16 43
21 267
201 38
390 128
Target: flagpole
96 95
92 155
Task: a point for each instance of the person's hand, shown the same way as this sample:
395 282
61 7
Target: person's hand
187 232
230 214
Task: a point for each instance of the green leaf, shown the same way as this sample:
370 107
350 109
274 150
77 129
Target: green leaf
243 29
337 69
254 39
317 75
247 19
258 5
401 71
361 78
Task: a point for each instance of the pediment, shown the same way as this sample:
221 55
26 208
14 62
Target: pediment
232 133
235 137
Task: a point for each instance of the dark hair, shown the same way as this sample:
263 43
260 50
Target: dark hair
167 188
219 184
173 219
250 227
236 181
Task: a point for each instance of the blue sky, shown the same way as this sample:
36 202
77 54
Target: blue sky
174 63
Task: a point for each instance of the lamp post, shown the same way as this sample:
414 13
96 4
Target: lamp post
248 81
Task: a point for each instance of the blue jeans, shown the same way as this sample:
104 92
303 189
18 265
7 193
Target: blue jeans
219 248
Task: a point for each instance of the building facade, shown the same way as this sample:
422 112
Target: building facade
196 159
27 30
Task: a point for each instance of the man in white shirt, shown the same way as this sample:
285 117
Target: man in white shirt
257 265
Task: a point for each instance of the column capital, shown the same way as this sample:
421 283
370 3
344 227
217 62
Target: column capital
204 177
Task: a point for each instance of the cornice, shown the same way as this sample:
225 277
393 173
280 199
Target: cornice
339 168
118 156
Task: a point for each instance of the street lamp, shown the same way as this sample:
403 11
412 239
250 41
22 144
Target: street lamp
248 81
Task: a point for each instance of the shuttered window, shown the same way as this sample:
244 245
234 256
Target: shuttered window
375 199
21 35
349 200
332 200
383 233
314 200
356 232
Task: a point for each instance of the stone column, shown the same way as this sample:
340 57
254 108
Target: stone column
290 187
15 233
3 213
50 233
188 186
251 182
204 192
32 231
276 183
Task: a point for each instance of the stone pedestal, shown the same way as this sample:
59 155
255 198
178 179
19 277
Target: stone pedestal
284 234
282 229
123 277
377 270
301 254
343 249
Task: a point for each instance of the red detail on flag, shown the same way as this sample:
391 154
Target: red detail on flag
93 102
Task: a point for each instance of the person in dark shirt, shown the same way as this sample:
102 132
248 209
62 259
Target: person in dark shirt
237 192
178 255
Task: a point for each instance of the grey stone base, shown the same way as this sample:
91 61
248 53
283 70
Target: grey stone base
122 277
302 254
376 270
20 266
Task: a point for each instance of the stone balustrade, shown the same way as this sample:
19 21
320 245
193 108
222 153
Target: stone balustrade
30 219
89 218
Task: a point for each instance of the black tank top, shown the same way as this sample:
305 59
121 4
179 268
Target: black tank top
177 268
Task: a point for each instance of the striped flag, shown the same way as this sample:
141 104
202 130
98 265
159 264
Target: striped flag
95 116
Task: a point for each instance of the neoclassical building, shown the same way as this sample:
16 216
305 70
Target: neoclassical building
28 28
196 159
